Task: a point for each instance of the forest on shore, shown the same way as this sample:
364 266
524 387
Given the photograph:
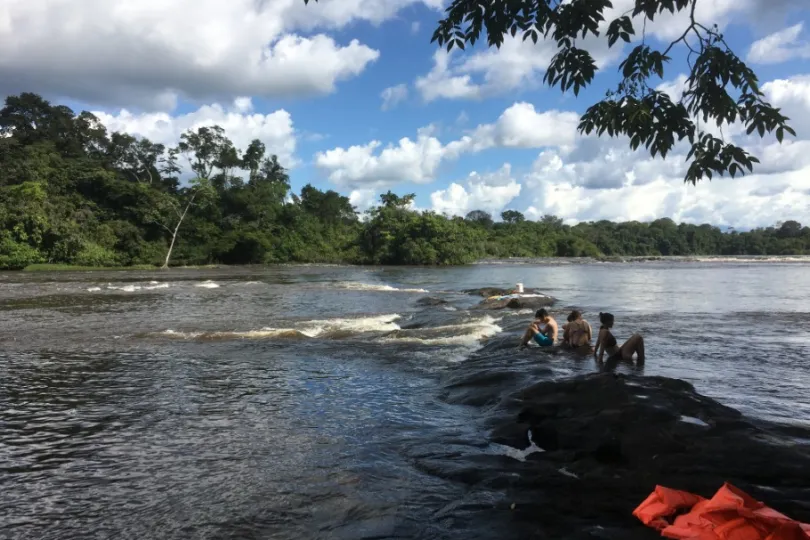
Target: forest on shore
71 192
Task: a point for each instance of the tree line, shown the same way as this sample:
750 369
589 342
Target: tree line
71 192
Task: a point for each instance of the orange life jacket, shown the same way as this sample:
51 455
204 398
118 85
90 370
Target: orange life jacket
731 514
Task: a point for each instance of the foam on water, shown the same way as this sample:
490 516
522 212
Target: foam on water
519 313
153 285
208 284
310 329
125 288
751 259
514 453
468 335
357 286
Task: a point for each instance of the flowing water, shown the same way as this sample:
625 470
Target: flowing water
298 401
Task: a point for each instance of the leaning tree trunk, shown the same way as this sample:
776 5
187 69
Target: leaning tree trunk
174 233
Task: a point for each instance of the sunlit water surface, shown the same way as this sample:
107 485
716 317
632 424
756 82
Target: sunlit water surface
295 402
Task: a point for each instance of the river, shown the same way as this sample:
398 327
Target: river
299 401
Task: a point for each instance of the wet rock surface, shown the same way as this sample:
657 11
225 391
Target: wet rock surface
608 439
486 292
431 301
523 302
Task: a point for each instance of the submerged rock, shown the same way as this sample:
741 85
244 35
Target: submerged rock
431 301
608 440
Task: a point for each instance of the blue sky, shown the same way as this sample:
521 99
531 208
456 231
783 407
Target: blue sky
482 133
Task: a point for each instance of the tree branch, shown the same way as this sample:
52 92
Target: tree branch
156 222
685 32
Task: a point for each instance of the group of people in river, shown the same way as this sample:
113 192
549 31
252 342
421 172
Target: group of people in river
577 335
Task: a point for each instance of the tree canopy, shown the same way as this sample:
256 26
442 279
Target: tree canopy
73 193
720 88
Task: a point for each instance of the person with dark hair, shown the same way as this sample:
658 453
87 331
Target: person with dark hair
577 333
566 337
606 342
543 330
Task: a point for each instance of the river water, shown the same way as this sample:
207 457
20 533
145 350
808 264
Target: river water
298 401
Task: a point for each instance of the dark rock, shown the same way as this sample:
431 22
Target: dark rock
430 301
609 440
532 302
486 292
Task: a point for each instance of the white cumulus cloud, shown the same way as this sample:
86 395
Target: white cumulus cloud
601 178
736 202
393 96
240 122
360 166
363 199
522 126
792 95
490 192
780 46
153 52
519 64
418 161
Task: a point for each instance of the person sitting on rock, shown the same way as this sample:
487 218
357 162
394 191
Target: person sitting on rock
577 333
606 342
543 330
567 329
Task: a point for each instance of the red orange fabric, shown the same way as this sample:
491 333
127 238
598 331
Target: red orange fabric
731 514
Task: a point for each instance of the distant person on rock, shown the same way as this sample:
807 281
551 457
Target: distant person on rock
606 342
543 330
577 332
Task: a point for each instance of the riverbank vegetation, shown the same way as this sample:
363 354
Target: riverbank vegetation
72 193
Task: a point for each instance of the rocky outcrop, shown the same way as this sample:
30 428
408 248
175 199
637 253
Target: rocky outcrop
530 299
607 441
486 292
431 301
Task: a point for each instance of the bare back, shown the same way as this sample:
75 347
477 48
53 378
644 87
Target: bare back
551 329
579 332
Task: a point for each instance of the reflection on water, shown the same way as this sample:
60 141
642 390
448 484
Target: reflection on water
295 402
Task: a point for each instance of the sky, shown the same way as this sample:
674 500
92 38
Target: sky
352 96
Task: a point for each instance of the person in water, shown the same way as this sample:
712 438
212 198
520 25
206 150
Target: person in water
577 333
606 343
543 330
567 329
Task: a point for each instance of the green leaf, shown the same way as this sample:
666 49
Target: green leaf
713 77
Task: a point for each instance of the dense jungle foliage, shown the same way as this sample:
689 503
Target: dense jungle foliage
73 193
